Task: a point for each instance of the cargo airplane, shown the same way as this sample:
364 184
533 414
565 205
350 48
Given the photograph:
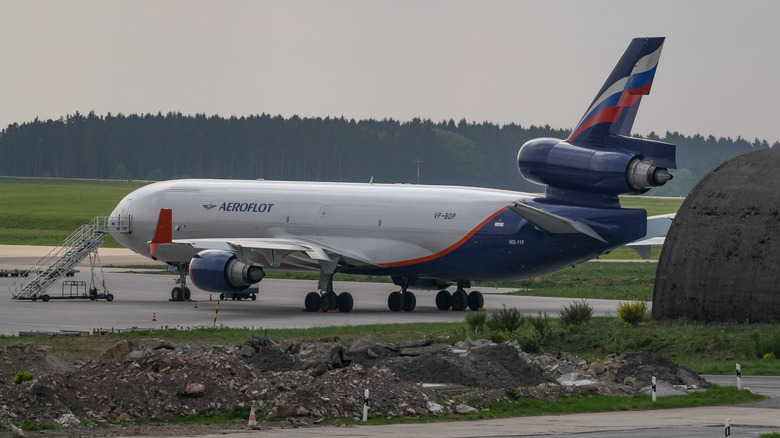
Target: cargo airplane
226 233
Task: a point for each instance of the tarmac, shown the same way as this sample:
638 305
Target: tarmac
142 300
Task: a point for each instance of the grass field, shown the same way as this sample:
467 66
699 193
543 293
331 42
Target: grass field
604 280
40 211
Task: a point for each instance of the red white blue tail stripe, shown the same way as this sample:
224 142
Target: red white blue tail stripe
613 110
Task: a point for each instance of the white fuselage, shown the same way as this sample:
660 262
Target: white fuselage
385 223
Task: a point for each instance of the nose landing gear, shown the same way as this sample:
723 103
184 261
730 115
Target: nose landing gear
181 292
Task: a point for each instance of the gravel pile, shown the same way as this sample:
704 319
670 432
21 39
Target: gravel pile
304 382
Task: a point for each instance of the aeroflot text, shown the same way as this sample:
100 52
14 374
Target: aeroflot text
246 206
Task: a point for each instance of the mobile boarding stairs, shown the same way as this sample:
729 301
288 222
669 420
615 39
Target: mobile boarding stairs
61 261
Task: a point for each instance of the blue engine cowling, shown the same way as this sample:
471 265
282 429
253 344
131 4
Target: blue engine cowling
221 271
598 170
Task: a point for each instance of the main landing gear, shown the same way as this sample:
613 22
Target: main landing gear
327 300
403 299
181 292
459 299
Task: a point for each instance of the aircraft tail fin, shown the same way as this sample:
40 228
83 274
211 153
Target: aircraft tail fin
614 109
600 160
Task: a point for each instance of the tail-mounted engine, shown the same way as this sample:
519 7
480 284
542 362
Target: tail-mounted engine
625 165
221 271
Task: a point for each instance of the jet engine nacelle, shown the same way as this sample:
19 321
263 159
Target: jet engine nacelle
583 168
221 271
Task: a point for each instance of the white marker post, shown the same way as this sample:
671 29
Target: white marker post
728 426
365 406
654 389
739 377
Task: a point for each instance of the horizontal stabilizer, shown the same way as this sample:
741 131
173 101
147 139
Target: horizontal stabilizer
552 223
657 226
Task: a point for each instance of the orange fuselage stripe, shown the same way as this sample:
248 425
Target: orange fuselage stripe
445 251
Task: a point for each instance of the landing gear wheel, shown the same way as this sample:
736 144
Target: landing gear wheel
443 300
344 302
109 297
221 297
459 300
312 302
394 301
177 294
476 300
410 301
187 293
328 301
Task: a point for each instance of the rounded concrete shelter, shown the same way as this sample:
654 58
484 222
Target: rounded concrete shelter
721 258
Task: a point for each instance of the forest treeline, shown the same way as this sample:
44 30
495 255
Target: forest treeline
158 147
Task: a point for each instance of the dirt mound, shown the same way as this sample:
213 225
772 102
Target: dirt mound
316 378
638 369
642 367
156 384
340 394
31 359
491 366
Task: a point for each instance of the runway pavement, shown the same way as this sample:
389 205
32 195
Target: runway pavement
139 297
279 305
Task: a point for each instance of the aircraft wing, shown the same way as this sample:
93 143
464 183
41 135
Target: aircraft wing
552 223
270 252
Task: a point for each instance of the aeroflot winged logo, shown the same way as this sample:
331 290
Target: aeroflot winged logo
243 207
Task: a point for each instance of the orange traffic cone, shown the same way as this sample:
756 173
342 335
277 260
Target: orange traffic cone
17 431
154 316
252 420
196 304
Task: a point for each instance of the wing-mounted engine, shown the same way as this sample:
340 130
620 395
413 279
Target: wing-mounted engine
221 271
633 166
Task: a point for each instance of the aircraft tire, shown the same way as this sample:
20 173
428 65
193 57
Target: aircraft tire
443 300
328 301
476 300
344 302
187 293
394 301
177 294
410 301
312 302
459 300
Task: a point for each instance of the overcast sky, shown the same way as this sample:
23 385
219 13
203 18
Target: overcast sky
527 62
